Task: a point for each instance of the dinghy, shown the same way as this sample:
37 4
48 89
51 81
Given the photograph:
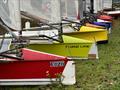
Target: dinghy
94 26
105 17
83 32
101 24
113 13
56 18
44 12
72 47
92 34
109 24
37 68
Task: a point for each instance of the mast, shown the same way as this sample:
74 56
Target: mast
84 7
19 17
77 9
17 14
81 8
57 16
92 6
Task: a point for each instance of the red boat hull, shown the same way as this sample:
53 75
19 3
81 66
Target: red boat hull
31 69
105 17
35 65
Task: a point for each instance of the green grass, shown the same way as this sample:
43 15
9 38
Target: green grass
102 74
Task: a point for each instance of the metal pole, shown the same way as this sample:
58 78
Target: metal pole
80 8
92 6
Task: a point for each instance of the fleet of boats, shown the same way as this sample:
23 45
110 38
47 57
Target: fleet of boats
42 49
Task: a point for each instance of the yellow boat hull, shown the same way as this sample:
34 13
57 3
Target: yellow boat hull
89 33
68 50
74 48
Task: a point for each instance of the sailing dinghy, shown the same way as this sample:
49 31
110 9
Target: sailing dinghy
37 68
21 66
84 32
45 12
53 17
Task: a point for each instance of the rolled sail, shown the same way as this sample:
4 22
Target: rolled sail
99 5
10 13
48 10
107 4
70 9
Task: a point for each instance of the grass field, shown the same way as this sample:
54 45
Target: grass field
102 74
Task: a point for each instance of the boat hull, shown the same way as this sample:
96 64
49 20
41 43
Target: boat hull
105 17
42 70
113 13
72 50
92 34
101 24
71 47
94 26
36 73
